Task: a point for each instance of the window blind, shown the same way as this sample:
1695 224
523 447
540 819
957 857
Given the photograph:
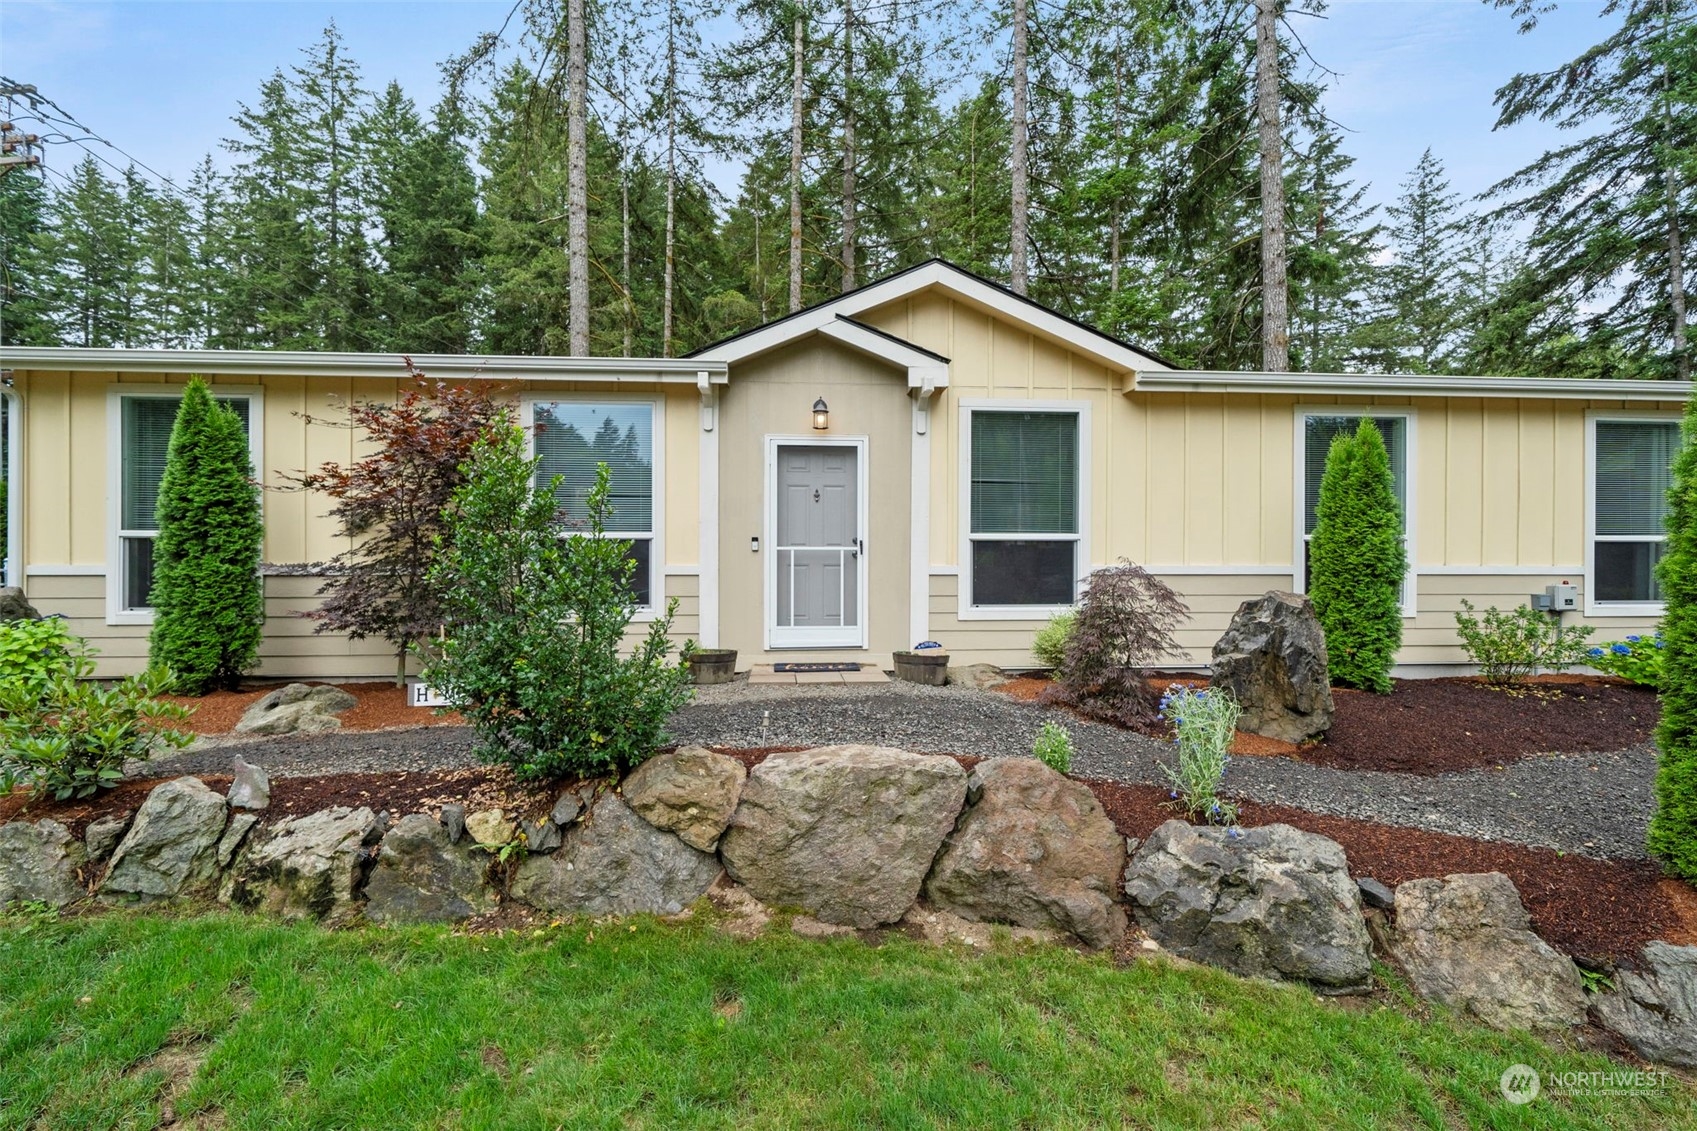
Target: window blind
572 439
147 424
1024 473
1319 431
1634 471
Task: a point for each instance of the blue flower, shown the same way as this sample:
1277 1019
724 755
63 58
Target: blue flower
1173 795
1596 652
1620 649
1633 639
1234 832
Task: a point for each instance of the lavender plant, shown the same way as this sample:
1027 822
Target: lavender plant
1204 722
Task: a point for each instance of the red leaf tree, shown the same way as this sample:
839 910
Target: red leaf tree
390 504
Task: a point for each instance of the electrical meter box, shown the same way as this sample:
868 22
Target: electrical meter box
1562 598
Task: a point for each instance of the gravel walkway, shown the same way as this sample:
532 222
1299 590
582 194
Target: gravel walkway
1589 804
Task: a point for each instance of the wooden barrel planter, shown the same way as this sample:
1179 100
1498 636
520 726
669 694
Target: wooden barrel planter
929 667
713 665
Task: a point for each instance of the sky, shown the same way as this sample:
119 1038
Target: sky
161 80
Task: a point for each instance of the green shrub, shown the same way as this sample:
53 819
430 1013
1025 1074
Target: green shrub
70 736
1638 659
1053 747
1510 646
1673 825
209 607
34 652
1357 561
1050 644
1204 723
535 625
1123 626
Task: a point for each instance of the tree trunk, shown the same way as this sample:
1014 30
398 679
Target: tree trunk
848 146
1019 238
577 178
671 181
1676 250
624 248
797 108
1275 291
1114 207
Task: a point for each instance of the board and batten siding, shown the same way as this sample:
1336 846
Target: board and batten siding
66 450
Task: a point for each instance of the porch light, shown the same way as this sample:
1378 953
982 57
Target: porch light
821 415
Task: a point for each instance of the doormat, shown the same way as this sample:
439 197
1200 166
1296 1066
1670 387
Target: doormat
815 667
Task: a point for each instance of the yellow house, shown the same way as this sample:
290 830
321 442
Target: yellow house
931 457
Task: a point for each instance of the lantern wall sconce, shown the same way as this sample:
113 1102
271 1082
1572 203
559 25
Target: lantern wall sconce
821 415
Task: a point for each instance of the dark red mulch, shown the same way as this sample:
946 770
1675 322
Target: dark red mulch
1431 726
1582 906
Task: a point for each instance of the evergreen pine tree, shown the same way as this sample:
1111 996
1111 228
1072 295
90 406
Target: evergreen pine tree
1418 298
1673 825
208 603
1356 561
24 272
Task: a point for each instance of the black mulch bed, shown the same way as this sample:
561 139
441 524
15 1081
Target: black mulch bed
1431 726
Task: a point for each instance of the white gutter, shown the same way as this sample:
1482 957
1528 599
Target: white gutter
1406 385
301 363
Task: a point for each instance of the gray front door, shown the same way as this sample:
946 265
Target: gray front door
817 548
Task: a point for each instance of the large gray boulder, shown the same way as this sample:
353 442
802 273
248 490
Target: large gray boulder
298 708
1466 941
1033 849
615 863
102 835
1268 902
15 606
691 792
308 867
422 877
39 862
1655 1007
1272 658
170 851
846 833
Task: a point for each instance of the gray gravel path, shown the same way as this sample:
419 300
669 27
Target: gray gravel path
1588 804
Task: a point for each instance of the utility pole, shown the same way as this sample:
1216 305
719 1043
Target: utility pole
11 141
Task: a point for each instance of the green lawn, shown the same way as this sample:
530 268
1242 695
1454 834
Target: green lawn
245 1022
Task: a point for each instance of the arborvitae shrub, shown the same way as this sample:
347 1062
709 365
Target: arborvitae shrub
1356 561
208 603
1673 825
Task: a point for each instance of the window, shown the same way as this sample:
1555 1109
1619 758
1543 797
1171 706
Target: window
144 435
1318 431
1024 521
1632 470
573 437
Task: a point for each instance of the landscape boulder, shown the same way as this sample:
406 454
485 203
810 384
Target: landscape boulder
15 606
1266 902
299 708
170 851
846 833
979 677
308 867
39 862
421 876
103 835
491 828
1466 941
250 786
615 863
1272 659
1033 849
691 792
1655 1007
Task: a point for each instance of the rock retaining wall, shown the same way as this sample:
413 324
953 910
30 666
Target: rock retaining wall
852 837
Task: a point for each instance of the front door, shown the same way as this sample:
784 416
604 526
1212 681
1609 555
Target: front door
817 559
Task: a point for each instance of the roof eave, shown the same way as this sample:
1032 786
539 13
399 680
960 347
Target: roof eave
1410 385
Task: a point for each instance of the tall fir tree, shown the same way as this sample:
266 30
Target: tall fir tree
1418 298
208 600
25 272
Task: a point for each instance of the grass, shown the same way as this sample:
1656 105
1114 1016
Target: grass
241 1021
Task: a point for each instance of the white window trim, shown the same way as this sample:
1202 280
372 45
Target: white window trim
13 406
1410 508
657 536
1594 607
966 610
116 614
823 637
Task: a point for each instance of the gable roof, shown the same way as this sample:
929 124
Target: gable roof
959 284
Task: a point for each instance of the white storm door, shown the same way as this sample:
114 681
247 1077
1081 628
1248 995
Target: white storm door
816 578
